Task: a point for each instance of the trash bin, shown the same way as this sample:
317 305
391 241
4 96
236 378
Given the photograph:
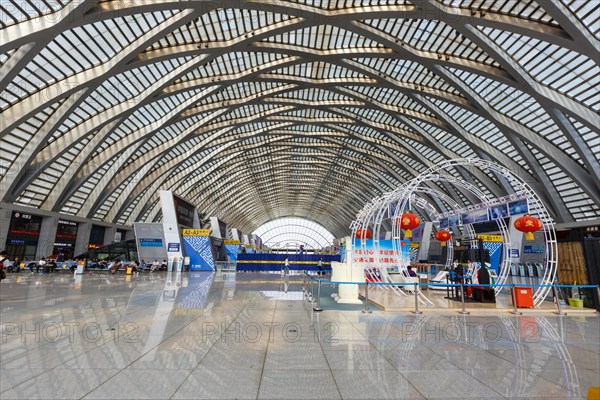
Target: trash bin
129 270
523 297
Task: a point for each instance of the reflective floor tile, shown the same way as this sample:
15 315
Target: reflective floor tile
420 358
209 383
373 384
357 360
169 359
280 360
60 383
298 384
518 383
234 359
576 380
140 384
475 359
448 384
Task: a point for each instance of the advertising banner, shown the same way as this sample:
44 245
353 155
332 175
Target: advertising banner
388 257
232 248
499 211
495 250
196 243
474 217
518 207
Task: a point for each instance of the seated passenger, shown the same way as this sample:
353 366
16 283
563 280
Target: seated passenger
410 271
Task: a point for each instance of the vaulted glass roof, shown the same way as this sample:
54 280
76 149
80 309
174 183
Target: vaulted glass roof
262 110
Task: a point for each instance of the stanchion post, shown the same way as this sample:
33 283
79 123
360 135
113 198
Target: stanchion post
366 310
416 299
311 297
318 308
462 300
559 310
514 300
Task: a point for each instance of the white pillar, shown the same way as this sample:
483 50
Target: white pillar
83 237
516 240
5 216
109 235
426 239
47 237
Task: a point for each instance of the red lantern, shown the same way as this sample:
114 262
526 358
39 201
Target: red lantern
443 236
409 221
363 233
528 224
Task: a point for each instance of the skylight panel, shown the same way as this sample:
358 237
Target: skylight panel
430 36
548 64
587 12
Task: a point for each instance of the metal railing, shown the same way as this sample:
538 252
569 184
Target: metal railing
310 280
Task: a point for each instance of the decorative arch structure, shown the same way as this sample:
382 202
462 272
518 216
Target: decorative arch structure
411 196
257 110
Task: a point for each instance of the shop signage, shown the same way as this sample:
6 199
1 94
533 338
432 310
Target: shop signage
196 232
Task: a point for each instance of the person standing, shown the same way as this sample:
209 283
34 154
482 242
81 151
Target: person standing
320 266
285 273
3 263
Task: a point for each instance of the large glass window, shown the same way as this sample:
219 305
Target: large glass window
292 233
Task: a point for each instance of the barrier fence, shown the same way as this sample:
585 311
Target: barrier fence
308 290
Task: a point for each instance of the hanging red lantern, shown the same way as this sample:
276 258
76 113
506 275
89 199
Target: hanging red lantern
363 233
528 224
443 236
409 221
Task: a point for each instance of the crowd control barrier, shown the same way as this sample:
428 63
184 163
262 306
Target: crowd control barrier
312 280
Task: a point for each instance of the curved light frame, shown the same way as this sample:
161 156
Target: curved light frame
403 197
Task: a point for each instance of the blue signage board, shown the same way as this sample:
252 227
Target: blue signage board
513 253
173 247
151 242
533 249
198 249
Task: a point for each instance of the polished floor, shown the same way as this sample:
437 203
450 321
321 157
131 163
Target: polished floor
227 336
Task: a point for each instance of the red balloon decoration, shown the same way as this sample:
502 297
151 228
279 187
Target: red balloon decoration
363 233
443 236
528 224
409 221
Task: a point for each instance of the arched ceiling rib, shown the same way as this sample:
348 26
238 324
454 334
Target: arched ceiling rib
258 110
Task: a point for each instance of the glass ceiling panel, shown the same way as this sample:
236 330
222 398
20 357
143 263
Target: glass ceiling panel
221 25
520 107
323 37
341 4
79 49
407 72
568 72
588 13
431 36
232 63
14 12
523 9
318 70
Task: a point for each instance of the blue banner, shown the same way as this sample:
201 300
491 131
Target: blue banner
232 251
495 250
198 249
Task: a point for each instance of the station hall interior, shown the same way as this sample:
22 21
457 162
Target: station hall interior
300 199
